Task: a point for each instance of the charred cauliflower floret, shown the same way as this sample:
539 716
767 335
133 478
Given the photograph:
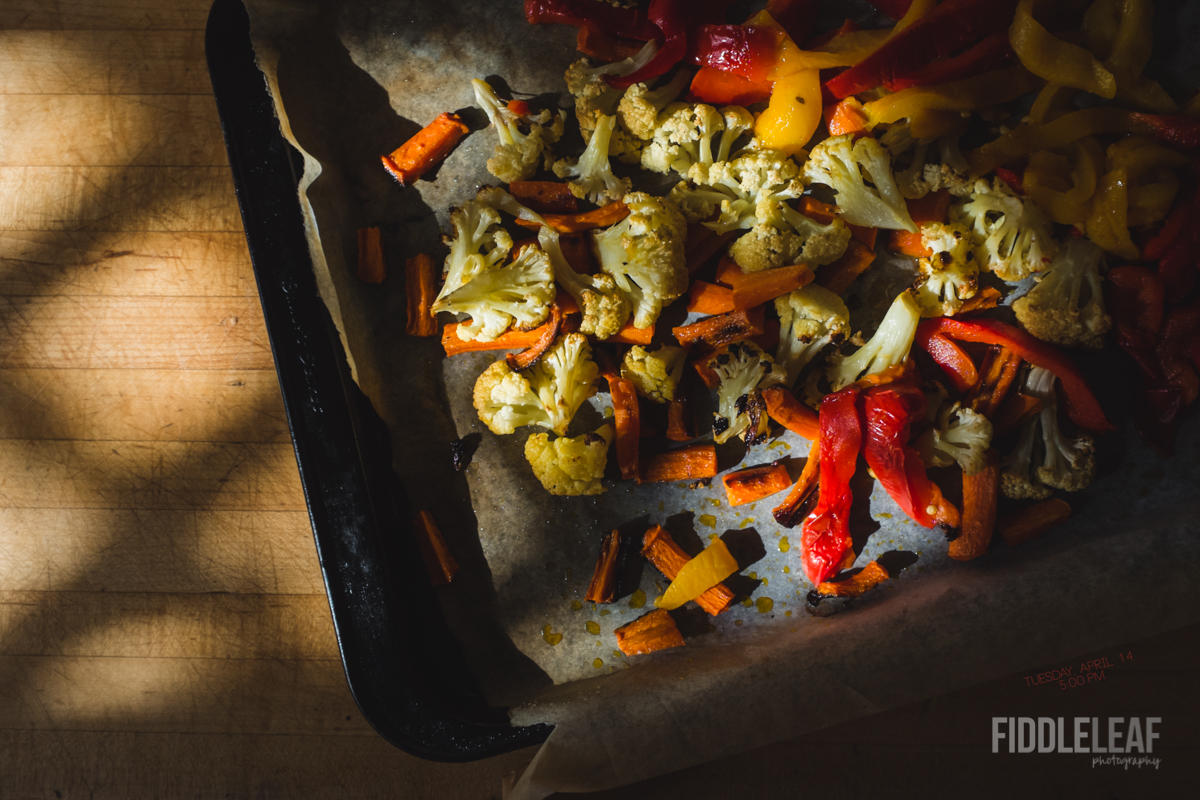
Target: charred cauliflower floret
1068 464
845 166
810 319
958 435
547 394
644 254
782 236
593 176
683 136
605 308
570 466
655 373
593 96
524 140
950 275
1067 305
519 293
889 346
744 369
640 106
1012 237
1016 480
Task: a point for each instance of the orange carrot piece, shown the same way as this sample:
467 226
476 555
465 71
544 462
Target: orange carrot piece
794 507
985 298
1032 521
933 207
370 256
784 408
545 197
628 334
438 561
668 558
419 295
601 217
845 117
1016 411
755 483
702 245
825 213
680 423
722 329
909 244
577 252
996 376
549 332
759 287
655 631
978 510
605 47
509 340
628 420
856 585
426 149
603 588
565 302
709 298
768 340
728 272
686 464
711 379
838 276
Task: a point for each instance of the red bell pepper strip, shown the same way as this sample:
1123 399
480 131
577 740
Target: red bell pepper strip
724 88
825 535
957 365
994 52
890 411
950 26
1011 178
1177 339
746 50
677 20
628 22
893 8
1155 410
1174 226
796 16
1135 298
1175 129
1082 405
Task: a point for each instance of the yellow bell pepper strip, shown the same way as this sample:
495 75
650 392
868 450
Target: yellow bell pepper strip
714 564
1108 222
946 29
1052 102
1064 185
1120 32
793 113
1150 168
1055 60
966 95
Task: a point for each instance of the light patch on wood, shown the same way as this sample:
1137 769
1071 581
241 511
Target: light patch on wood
119 550
103 62
142 405
125 264
133 333
191 199
109 15
150 130
161 475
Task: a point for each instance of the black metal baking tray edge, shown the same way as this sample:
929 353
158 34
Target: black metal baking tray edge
406 672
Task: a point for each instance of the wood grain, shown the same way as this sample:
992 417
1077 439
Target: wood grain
133 333
125 264
142 405
108 15
184 130
159 475
103 62
148 550
172 199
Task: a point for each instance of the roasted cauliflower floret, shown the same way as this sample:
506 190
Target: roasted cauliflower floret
605 308
949 276
640 105
478 244
846 165
593 96
547 394
570 466
1012 237
654 373
519 152
592 173
810 319
683 136
1068 464
644 254
782 236
744 369
735 189
519 293
1016 481
889 346
1067 305
957 435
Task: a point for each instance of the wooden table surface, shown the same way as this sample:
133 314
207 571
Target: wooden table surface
163 626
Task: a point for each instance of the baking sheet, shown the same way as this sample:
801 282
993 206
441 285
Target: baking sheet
352 81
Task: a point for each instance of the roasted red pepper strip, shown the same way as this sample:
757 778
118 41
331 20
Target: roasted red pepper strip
893 8
890 411
1082 405
1011 178
825 535
796 16
1174 129
1177 339
628 22
950 357
994 52
746 50
1135 298
947 28
676 20
724 88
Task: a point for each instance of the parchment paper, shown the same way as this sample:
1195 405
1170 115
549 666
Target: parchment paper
353 79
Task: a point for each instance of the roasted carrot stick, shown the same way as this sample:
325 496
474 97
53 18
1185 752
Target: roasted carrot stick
565 302
545 197
768 340
426 150
370 256
603 588
577 252
856 585
759 287
978 510
668 558
824 213
628 420
686 464
1016 411
655 631
601 217
985 298
438 561
784 408
1032 521
711 379
933 207
728 272
703 244
838 276
755 483
681 426
419 294
549 332
909 243
722 329
509 340
795 506
709 298
631 335
996 375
